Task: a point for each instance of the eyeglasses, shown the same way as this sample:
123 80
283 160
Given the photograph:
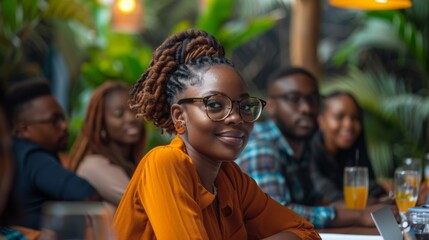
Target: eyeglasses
219 106
55 120
296 99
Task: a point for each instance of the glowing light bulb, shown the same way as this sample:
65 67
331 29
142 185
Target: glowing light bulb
126 6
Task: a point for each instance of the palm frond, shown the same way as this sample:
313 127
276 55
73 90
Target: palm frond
69 10
373 33
369 88
251 8
403 32
22 25
412 111
217 18
381 157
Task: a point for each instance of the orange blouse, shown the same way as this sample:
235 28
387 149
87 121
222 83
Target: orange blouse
166 200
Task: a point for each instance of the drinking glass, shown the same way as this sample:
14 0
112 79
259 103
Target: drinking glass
76 221
406 189
355 187
413 164
426 169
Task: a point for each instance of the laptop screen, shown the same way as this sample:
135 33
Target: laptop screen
386 224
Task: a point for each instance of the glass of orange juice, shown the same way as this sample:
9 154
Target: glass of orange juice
355 187
406 188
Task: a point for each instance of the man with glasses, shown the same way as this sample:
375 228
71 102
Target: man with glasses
40 131
277 155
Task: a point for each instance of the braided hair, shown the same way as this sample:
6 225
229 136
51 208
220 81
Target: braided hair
175 64
89 141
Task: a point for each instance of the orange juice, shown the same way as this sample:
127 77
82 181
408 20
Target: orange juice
405 201
355 196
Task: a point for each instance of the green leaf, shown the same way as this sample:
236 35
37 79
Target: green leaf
132 68
181 26
412 36
8 10
343 53
39 6
27 9
72 10
214 15
248 9
234 35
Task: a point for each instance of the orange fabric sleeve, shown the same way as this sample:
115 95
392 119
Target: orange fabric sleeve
169 188
166 184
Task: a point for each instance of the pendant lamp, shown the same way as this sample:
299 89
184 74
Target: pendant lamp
127 16
371 4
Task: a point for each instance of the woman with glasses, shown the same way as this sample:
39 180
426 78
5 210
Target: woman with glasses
191 188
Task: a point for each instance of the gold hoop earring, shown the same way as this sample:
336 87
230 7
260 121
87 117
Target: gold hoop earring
180 127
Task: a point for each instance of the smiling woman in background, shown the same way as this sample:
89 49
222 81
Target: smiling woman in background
110 144
340 142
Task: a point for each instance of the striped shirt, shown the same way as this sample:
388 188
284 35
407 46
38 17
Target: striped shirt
270 160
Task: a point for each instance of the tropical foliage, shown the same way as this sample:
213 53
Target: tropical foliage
251 8
217 18
25 24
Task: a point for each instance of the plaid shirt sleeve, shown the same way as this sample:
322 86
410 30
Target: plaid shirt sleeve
7 233
320 217
260 162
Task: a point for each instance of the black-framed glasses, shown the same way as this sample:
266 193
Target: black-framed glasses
219 106
56 120
296 98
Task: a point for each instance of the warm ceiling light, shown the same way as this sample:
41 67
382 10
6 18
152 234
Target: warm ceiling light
126 6
371 4
127 16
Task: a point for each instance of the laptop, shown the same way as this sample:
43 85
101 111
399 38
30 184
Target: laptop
386 224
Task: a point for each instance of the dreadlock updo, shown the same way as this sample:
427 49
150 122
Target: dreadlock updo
175 63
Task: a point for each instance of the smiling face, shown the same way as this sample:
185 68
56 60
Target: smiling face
217 140
340 122
121 124
293 105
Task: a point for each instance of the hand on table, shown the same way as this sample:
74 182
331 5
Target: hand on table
423 192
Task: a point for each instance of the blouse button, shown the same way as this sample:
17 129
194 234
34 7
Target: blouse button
227 211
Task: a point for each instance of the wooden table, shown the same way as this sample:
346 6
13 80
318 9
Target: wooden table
351 230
